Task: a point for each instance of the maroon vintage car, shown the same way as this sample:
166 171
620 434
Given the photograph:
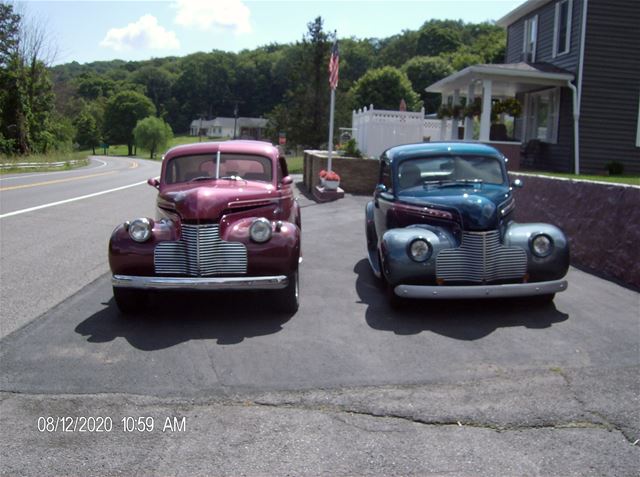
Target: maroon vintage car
226 219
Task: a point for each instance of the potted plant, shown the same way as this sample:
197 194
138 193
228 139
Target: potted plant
331 180
322 175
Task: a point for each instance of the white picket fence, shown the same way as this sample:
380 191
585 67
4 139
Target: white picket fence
377 129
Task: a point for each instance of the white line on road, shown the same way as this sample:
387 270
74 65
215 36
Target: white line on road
66 201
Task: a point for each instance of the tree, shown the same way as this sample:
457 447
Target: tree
157 83
435 38
423 71
87 131
317 48
153 134
26 101
121 115
384 88
398 49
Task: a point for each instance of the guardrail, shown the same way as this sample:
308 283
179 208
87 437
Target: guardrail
34 165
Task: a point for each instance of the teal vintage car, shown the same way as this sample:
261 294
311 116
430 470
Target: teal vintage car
441 226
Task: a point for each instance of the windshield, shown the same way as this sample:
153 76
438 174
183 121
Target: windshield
232 166
448 171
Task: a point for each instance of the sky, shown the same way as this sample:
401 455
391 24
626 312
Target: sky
86 31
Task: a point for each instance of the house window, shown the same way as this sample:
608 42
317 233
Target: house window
541 115
530 37
562 27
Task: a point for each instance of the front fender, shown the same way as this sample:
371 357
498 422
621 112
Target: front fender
398 267
128 257
552 267
280 255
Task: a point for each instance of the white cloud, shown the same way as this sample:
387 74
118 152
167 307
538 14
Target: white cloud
143 34
205 14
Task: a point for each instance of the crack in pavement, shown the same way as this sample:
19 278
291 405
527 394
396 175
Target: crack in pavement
445 423
604 420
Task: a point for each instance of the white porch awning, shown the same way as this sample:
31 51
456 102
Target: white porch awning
507 79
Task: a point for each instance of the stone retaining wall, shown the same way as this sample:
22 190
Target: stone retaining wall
602 221
357 176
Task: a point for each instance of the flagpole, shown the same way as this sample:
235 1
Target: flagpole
330 142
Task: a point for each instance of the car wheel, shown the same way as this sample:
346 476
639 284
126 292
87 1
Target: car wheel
288 299
130 301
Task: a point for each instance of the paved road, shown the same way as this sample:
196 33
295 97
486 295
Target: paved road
53 244
345 386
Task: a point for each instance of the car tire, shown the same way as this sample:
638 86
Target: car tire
130 301
288 299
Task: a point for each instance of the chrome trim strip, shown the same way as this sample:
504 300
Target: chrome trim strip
197 283
481 291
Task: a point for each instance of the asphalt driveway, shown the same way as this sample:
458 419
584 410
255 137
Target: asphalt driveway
345 386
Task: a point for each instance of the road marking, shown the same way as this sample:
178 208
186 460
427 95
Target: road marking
52 204
56 181
29 175
133 165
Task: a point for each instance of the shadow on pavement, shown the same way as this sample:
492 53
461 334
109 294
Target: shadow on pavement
459 319
174 318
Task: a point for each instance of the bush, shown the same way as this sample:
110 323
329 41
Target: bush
615 168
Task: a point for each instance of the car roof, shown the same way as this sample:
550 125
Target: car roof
411 151
241 146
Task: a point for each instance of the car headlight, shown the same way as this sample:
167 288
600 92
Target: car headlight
542 245
140 229
260 230
419 250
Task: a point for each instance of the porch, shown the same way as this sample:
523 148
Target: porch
537 130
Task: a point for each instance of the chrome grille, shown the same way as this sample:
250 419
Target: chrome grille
200 252
481 258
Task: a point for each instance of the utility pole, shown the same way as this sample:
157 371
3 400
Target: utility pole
235 120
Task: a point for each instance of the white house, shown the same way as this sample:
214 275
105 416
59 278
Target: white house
248 128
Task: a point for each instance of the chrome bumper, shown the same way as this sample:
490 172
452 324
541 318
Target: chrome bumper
481 291
200 283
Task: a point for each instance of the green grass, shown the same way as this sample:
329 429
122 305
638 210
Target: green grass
121 149
624 179
44 162
295 164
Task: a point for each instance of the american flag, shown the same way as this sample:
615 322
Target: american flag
334 65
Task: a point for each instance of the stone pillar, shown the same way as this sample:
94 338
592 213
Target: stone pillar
468 122
485 119
454 120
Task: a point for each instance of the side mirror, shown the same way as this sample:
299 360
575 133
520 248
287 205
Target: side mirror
286 180
380 188
517 184
154 182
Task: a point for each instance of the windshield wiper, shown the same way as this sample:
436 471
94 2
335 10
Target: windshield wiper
201 178
454 183
232 178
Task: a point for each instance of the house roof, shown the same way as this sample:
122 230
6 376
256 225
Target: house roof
520 11
201 123
508 79
242 122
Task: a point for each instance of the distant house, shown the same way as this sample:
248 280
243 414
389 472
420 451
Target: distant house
245 128
574 65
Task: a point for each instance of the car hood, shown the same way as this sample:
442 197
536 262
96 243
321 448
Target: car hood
477 207
207 201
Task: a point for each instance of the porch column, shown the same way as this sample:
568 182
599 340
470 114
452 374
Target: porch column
468 122
443 121
454 120
485 119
